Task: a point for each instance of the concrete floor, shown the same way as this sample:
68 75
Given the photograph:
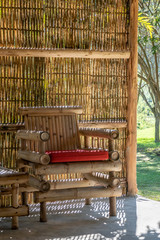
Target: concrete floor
137 218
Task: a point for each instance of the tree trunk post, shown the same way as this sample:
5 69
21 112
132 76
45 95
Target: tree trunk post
131 143
157 129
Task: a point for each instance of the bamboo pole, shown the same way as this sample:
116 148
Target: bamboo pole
113 182
32 135
61 185
67 194
78 167
41 185
20 52
11 127
86 144
112 199
34 157
15 194
50 110
25 170
43 212
19 178
114 155
98 124
14 212
102 133
131 143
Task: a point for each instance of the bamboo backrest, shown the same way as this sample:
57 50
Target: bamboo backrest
60 122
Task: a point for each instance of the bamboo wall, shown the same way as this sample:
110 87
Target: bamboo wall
99 85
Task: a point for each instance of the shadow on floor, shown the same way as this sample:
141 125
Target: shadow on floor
72 220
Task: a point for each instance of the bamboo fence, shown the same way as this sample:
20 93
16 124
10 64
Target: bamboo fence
100 86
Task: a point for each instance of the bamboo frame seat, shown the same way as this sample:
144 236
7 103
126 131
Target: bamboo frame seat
11 183
60 131
11 180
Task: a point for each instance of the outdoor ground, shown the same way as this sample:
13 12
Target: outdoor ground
148 164
137 218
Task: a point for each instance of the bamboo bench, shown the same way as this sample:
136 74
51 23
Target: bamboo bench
56 129
12 183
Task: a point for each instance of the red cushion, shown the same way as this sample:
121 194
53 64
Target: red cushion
77 155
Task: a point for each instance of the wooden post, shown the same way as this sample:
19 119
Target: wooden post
86 144
15 194
112 200
131 144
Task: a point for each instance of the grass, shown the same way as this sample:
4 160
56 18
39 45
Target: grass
148 164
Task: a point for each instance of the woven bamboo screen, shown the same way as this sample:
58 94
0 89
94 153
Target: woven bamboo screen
98 85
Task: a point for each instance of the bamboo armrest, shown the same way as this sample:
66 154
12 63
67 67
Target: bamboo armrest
33 135
34 157
102 133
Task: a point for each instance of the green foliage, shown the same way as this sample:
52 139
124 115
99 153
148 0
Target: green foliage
144 21
145 118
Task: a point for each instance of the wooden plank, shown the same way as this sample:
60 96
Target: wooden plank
103 124
131 143
66 53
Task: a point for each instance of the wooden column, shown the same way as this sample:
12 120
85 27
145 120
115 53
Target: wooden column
131 145
15 194
86 143
112 200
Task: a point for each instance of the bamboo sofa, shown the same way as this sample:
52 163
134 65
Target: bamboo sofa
11 184
62 153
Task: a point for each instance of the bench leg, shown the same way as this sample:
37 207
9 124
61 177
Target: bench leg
43 214
88 201
113 210
15 194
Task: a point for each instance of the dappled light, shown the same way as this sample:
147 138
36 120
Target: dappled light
137 218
